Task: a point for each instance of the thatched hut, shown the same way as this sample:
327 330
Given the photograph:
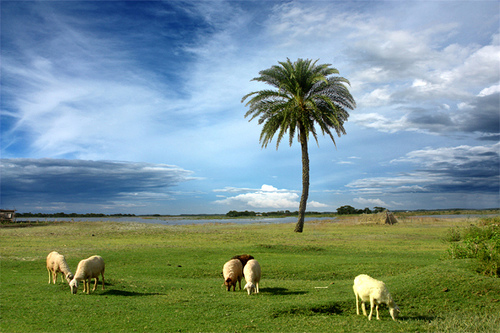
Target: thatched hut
390 218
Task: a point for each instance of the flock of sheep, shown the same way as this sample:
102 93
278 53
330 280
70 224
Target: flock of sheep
366 288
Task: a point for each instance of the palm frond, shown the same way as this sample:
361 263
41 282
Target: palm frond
307 95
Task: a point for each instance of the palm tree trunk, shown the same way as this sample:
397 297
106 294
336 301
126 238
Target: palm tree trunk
299 227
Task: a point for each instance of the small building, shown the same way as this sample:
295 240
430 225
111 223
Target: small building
7 215
390 218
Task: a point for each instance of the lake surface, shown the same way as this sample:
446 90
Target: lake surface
174 220
180 220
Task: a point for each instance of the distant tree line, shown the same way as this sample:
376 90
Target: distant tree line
346 210
246 213
61 214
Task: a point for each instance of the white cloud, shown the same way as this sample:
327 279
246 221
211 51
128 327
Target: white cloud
419 83
267 196
315 204
381 123
372 202
268 188
377 97
490 90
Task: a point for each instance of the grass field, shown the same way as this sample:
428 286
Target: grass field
163 278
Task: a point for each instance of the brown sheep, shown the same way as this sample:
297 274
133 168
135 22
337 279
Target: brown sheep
244 259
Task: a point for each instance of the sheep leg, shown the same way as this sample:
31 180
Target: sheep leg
50 273
376 308
102 274
86 286
257 287
372 304
96 281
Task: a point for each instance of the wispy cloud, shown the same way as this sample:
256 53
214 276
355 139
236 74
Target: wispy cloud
371 202
479 116
444 170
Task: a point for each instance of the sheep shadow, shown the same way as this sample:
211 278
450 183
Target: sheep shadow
426 319
115 292
325 309
281 291
334 308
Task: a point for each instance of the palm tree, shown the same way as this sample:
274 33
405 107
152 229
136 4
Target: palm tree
307 95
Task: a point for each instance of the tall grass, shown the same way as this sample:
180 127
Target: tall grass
168 278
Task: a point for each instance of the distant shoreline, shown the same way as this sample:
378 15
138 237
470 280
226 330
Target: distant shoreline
198 219
279 214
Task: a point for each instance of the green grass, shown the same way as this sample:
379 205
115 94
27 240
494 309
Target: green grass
169 278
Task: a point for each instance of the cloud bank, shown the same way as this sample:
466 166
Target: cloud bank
462 169
58 182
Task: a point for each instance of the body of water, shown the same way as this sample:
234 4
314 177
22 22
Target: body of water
189 220
179 220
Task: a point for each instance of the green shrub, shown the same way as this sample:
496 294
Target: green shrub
480 242
453 235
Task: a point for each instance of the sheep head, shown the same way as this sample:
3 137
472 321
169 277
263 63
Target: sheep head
69 277
228 283
394 310
74 286
250 287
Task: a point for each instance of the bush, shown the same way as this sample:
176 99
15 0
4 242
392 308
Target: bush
453 235
481 242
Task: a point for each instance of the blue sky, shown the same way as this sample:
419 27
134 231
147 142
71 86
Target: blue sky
135 106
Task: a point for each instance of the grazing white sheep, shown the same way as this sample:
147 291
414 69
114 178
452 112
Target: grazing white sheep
233 272
87 270
56 263
252 274
370 290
